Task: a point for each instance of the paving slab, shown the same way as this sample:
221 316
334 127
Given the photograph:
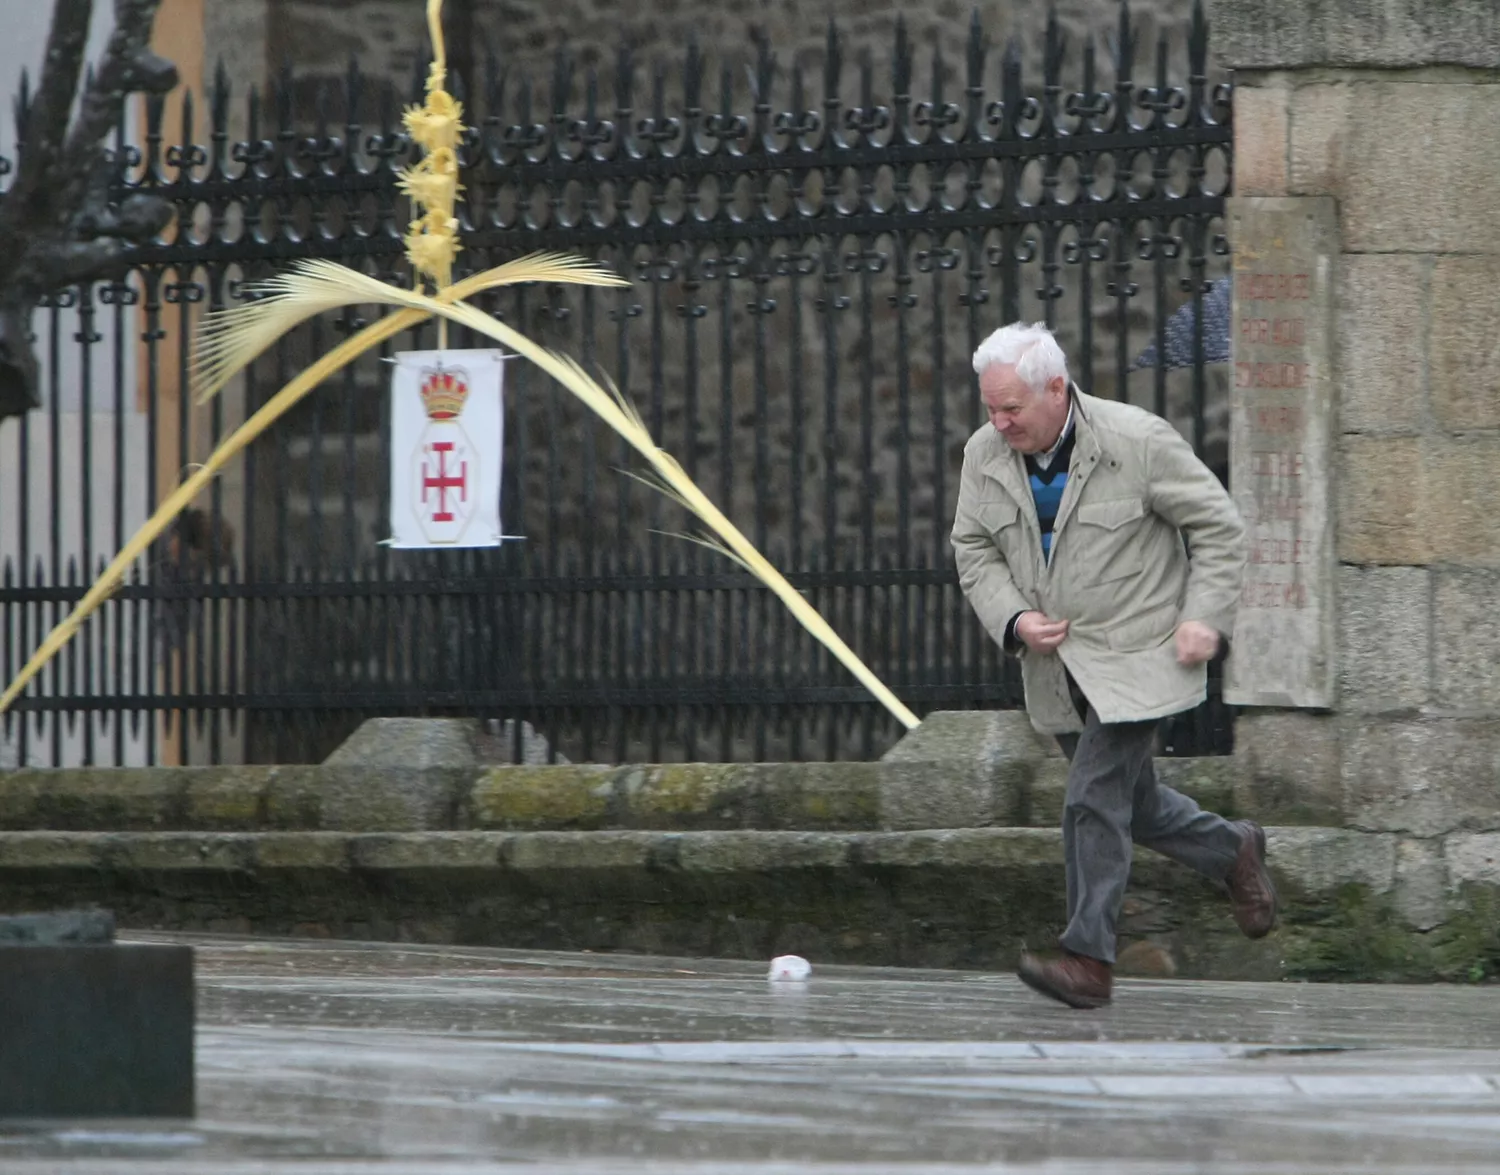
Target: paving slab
331 1058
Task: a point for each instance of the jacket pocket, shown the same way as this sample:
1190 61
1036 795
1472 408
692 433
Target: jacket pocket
997 515
1001 520
1110 539
1112 513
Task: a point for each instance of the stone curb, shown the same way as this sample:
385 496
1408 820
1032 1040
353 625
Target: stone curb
1311 860
970 897
573 798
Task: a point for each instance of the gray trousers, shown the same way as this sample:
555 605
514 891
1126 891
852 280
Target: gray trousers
1114 799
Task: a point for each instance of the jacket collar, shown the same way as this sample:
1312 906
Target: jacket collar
1087 454
1086 442
1008 467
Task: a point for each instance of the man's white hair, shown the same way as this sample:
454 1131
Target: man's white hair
1029 348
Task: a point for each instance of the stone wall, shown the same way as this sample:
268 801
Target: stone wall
389 36
1388 106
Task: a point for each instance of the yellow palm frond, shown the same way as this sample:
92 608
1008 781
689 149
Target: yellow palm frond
627 406
654 482
229 340
708 542
561 268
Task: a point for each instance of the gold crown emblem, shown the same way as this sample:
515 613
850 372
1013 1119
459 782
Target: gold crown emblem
444 392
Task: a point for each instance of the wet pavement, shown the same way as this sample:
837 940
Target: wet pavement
321 1058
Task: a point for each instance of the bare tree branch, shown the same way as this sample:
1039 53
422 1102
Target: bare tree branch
47 121
58 226
128 66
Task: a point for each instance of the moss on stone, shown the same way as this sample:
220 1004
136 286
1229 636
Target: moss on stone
20 796
442 851
1466 948
47 851
1357 936
228 799
569 851
824 795
293 799
110 798
966 848
174 851
756 852
558 796
302 850
223 809
684 790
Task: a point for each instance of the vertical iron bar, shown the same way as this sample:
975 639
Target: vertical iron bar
593 603
121 296
86 337
220 553
1163 248
761 308
864 598
692 311
1088 233
830 304
288 613
23 563
1121 287
942 256
55 514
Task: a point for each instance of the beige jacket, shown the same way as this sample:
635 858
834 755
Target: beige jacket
1146 538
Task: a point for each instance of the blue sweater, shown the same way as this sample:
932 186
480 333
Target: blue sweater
1047 486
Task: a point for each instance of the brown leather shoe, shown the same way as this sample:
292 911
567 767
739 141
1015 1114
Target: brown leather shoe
1250 886
1076 980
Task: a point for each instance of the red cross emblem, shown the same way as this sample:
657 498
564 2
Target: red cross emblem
444 480
445 468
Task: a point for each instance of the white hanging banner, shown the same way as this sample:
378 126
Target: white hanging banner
447 436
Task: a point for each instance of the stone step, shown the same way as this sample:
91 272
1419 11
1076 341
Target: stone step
572 797
938 898
964 769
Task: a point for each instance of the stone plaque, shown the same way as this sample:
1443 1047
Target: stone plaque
1281 449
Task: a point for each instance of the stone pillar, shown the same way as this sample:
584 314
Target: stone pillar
1391 107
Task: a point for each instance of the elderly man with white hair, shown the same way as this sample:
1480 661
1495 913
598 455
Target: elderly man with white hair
1094 545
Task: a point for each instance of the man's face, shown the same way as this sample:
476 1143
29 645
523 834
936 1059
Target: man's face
1029 421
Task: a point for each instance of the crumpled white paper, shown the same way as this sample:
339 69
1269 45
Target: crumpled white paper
789 967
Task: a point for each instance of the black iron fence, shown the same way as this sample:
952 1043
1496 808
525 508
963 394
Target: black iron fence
813 263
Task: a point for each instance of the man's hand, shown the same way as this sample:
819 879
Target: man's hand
1039 634
1196 642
